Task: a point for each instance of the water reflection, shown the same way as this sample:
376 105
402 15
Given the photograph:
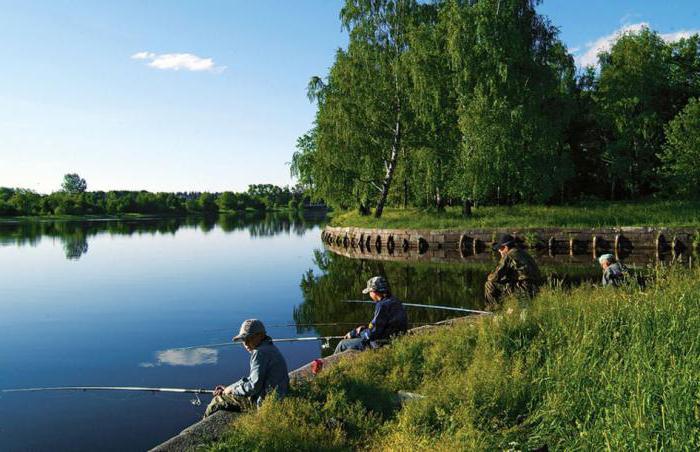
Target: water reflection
75 245
460 285
184 357
75 234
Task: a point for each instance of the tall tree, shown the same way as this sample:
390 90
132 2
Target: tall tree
682 152
363 112
634 100
433 99
510 75
378 43
72 183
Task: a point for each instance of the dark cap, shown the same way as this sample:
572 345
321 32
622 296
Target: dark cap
377 284
505 240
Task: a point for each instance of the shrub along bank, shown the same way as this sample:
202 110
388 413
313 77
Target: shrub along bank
598 214
588 368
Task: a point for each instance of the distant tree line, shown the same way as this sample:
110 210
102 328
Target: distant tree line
461 101
75 200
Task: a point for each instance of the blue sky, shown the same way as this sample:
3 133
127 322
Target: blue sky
198 95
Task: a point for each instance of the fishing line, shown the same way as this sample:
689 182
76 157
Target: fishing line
430 306
291 339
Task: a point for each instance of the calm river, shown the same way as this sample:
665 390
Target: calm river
106 303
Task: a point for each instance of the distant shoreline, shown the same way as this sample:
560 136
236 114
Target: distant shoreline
142 216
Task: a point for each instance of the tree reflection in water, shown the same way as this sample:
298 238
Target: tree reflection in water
74 234
459 285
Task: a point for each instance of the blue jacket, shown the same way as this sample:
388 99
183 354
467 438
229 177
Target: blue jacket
268 372
389 319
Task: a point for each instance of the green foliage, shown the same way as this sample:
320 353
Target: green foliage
21 202
582 369
72 183
207 203
435 103
681 153
593 214
512 75
643 84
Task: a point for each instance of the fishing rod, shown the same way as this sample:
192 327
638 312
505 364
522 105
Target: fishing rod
326 339
112 388
282 325
195 391
429 306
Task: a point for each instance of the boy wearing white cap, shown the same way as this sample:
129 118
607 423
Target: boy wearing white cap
268 372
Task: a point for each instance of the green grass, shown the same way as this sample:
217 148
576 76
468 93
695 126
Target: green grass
603 214
586 369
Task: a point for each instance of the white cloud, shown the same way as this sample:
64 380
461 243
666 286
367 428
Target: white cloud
143 56
678 35
184 357
589 57
604 43
178 61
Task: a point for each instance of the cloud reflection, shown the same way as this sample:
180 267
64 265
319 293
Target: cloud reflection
184 357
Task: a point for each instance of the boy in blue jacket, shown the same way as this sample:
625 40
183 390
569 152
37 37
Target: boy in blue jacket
389 319
268 372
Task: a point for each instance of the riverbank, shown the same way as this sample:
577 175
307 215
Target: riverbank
601 214
582 369
141 216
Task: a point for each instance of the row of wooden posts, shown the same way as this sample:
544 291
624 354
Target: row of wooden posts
621 242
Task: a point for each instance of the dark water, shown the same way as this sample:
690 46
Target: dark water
104 303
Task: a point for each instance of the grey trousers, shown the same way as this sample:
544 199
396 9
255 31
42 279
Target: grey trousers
356 343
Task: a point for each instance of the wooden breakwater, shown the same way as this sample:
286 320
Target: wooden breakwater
571 245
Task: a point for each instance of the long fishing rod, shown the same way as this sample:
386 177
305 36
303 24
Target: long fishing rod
112 388
290 339
429 306
195 391
282 325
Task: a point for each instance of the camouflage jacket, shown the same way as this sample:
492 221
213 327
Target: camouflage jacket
516 267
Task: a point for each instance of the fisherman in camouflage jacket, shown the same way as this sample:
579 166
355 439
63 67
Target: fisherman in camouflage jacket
516 273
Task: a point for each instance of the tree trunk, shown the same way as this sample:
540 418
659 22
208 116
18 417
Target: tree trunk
467 207
405 193
439 200
391 166
363 209
612 190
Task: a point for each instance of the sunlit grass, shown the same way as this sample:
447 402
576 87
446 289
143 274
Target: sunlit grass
603 214
585 369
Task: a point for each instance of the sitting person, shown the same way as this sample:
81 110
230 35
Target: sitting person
268 372
614 272
389 319
516 273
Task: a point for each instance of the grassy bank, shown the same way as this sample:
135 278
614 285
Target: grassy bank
584 369
603 214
